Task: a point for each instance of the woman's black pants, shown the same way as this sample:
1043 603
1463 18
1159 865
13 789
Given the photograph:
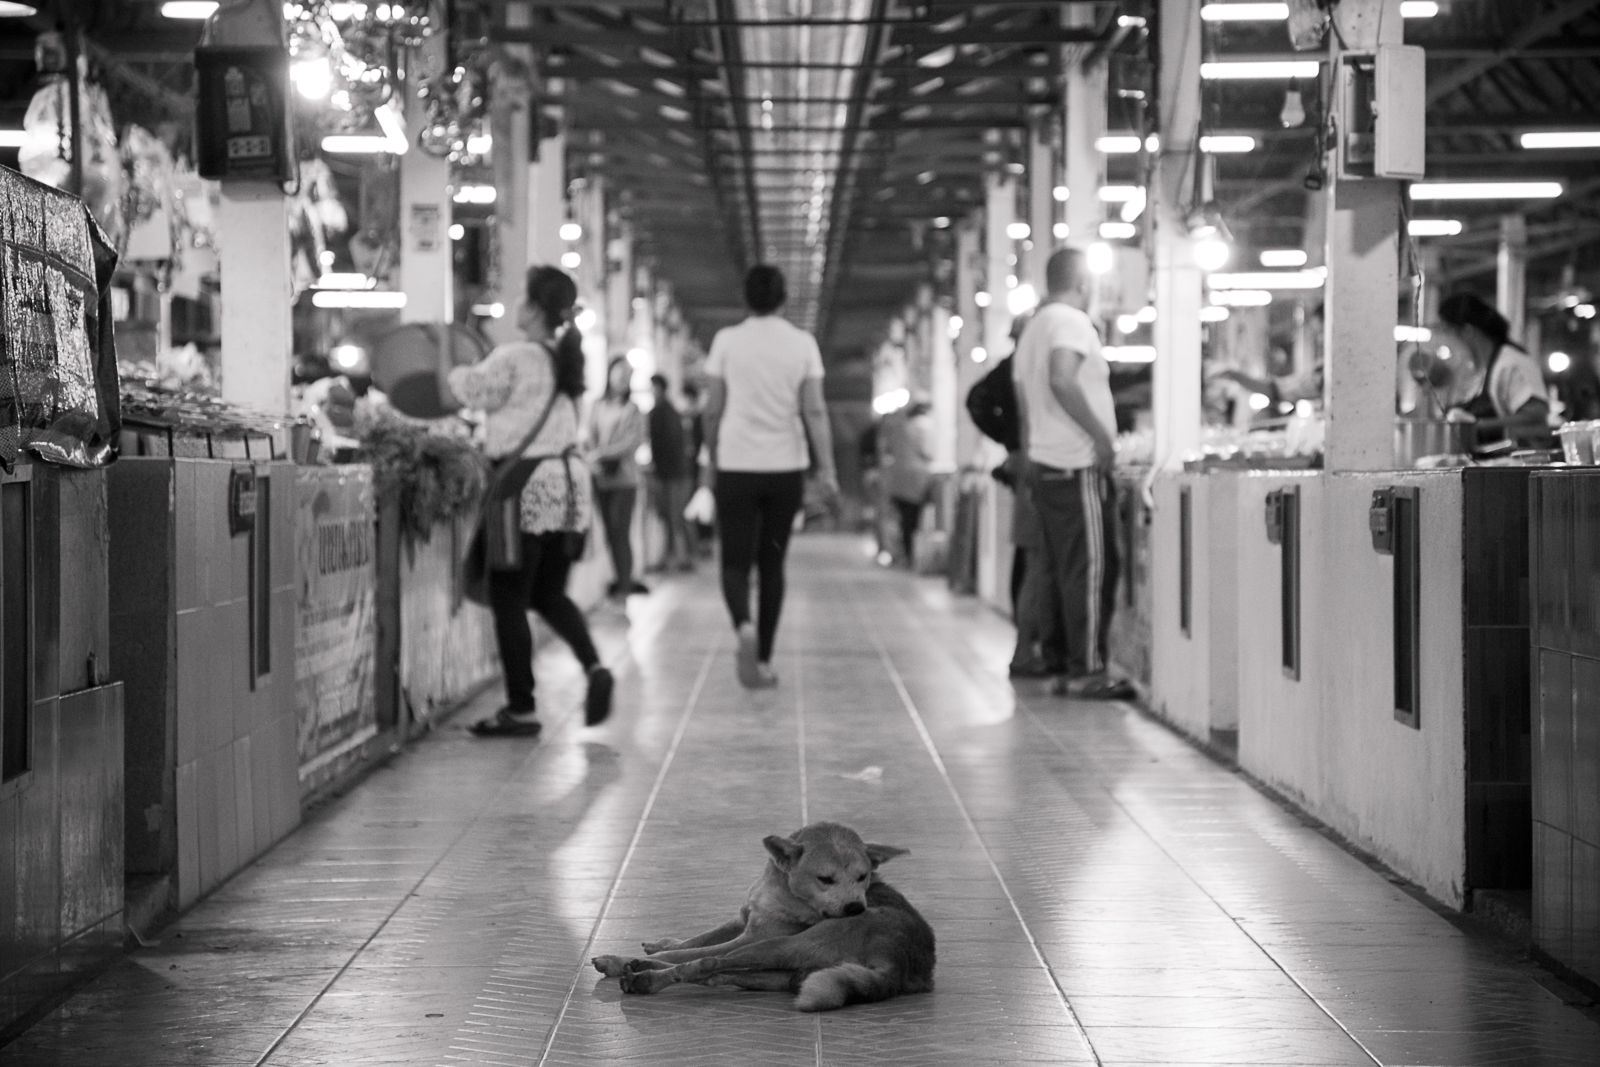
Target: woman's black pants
755 515
541 585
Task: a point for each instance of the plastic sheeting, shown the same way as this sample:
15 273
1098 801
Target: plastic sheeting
59 390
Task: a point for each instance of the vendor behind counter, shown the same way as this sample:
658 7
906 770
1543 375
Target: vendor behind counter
1497 385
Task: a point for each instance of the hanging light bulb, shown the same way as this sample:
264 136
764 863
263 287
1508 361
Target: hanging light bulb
1294 107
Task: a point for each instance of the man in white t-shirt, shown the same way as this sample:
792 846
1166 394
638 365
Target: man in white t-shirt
764 399
1068 419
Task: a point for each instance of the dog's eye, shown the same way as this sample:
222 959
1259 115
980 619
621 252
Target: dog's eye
862 878
825 879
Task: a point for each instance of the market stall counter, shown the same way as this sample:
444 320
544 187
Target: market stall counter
202 629
1366 634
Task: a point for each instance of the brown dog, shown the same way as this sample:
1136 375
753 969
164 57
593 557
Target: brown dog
818 922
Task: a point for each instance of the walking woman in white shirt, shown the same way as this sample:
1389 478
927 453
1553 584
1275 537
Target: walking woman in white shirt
515 385
764 398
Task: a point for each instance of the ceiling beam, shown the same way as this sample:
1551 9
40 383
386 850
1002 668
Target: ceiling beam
1529 33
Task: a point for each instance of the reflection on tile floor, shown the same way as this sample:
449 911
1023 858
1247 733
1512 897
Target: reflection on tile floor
1102 892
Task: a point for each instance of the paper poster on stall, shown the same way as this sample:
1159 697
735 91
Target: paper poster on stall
336 622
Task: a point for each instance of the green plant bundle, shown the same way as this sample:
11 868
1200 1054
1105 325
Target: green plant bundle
433 478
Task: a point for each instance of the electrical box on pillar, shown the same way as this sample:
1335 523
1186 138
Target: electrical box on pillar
242 95
1379 99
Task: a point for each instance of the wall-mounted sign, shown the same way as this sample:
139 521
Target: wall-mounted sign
242 113
242 500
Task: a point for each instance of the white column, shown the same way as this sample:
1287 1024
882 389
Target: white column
1363 285
508 123
1000 208
426 275
1084 164
257 339
1511 274
1042 140
547 203
1175 378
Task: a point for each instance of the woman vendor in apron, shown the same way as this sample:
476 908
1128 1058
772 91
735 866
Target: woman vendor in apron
1507 398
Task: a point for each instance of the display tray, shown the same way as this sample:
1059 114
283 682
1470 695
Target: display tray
1254 463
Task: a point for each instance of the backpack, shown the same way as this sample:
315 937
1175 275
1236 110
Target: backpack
992 403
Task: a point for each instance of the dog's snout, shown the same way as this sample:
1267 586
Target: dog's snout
855 907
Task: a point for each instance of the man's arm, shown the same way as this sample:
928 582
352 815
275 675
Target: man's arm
1065 363
710 423
815 413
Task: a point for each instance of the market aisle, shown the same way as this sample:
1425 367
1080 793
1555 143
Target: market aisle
1101 892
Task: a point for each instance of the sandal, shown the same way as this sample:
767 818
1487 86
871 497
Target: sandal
506 723
1097 689
597 701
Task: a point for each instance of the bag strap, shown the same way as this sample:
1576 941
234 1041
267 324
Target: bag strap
533 434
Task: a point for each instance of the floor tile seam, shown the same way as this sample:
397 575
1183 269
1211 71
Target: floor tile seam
466 828
669 758
908 703
1038 725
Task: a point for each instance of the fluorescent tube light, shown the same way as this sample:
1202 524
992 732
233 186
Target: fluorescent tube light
1019 231
1215 313
357 298
1241 298
355 143
1283 257
1227 142
189 9
1561 139
1434 227
1486 190
1118 144
1418 9
1418 334
474 194
1270 279
1245 12
13 138
1235 69
1117 231
1119 194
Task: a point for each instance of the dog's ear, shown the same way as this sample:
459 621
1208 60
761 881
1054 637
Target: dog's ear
881 854
785 851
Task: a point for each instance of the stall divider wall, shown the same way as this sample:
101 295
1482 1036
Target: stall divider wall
1195 668
1566 767
1329 740
61 803
211 767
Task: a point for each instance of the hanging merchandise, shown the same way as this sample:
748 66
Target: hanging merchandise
59 389
46 153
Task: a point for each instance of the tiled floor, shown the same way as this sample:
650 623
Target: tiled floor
1101 892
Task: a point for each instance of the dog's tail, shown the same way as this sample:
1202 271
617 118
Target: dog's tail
845 983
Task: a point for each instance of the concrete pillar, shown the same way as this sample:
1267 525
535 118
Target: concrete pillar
1363 285
1175 378
1000 211
508 125
1511 273
547 203
617 269
944 387
257 338
426 275
1042 150
1085 123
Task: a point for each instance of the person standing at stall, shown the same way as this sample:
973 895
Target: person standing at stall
1499 386
616 430
1068 419
763 401
908 436
529 392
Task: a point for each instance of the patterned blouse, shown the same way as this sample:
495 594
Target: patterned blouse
511 385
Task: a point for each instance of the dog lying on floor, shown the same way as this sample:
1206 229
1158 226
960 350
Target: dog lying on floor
819 923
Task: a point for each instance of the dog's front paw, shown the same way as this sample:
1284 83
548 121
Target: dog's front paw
639 980
610 966
663 945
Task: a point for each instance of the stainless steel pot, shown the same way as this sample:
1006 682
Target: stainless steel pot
1415 438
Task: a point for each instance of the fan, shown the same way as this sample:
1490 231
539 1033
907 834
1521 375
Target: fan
410 362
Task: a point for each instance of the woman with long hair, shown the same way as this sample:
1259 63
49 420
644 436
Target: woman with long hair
616 430
516 385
